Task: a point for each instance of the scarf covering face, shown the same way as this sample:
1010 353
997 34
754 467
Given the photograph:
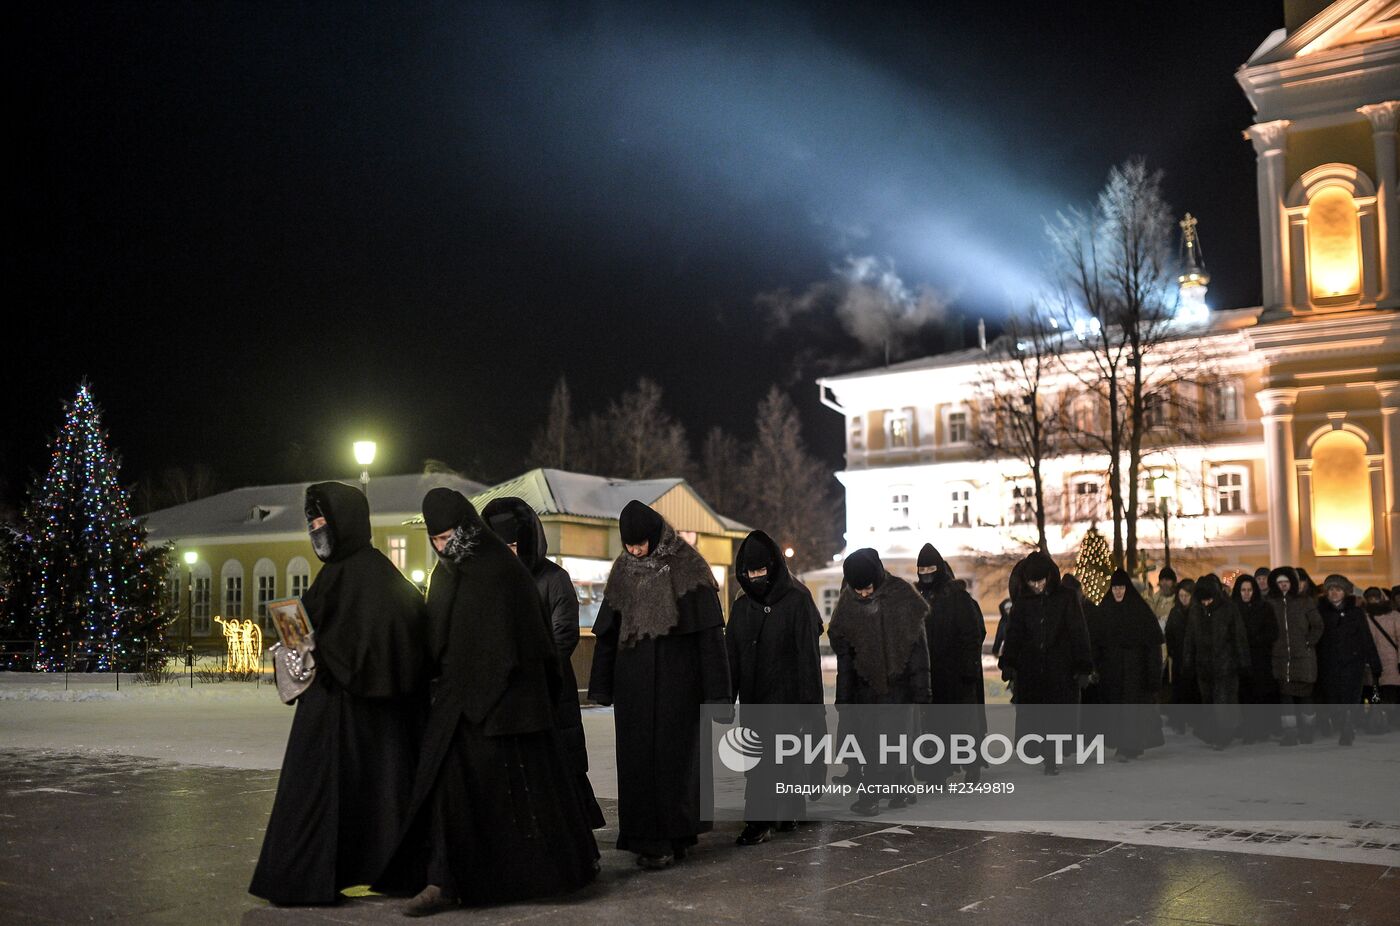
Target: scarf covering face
646 590
881 630
760 550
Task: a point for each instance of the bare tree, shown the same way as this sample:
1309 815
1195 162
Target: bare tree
789 492
176 485
719 479
1018 414
553 444
639 438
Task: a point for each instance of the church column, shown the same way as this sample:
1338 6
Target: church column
1282 474
1269 139
1383 117
1390 432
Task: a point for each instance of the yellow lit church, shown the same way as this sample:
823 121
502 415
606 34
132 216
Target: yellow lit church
1302 464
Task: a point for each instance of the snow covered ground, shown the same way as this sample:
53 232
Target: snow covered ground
244 726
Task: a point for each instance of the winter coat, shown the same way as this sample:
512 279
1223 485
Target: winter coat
881 645
1128 657
1261 630
1217 647
1299 629
1047 644
773 638
1181 683
955 632
1386 651
1344 652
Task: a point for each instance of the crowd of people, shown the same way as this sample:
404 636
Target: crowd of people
439 754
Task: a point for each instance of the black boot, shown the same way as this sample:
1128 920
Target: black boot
754 834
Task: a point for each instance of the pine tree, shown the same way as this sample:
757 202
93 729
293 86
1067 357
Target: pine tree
1094 565
85 576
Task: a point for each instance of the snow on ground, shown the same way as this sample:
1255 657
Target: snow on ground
243 725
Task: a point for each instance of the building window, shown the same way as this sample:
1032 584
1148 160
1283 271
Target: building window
1224 404
857 433
1085 499
960 506
1334 246
830 594
1341 496
1230 488
957 427
899 429
298 577
233 597
398 552
1154 411
900 510
1084 415
1022 504
201 597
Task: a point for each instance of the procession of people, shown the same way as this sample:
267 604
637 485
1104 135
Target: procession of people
439 753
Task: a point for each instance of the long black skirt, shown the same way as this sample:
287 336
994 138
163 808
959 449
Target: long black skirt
501 822
343 795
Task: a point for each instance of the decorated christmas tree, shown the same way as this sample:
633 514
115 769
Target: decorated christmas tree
1094 565
85 579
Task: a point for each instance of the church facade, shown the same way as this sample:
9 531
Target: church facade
1292 454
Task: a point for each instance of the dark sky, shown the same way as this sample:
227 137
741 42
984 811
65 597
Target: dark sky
257 223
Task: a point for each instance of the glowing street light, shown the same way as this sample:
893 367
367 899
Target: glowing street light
364 455
191 557
789 552
417 576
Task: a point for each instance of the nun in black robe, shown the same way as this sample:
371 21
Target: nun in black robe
955 632
1127 643
348 771
659 656
494 815
516 523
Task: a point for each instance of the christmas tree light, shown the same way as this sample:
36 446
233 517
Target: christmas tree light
90 584
1094 565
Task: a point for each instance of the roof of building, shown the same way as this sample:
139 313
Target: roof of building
279 509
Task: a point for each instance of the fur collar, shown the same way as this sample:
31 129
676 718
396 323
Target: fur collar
645 591
881 631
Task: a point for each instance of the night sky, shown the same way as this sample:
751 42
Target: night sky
256 224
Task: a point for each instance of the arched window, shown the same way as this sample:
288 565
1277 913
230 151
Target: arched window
231 580
298 576
265 587
1341 495
201 599
1334 245
1334 237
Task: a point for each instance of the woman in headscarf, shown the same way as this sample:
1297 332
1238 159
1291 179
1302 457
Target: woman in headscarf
877 632
1295 653
955 632
1258 690
1128 656
516 523
348 772
1047 657
1216 653
495 816
1180 685
659 656
1344 653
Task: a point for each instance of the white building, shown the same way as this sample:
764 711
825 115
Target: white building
1300 465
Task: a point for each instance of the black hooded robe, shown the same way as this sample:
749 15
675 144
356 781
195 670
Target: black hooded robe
656 685
1047 647
1216 652
955 632
1127 643
1258 690
774 644
494 817
1179 684
560 601
347 775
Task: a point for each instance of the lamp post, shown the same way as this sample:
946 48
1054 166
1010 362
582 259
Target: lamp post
191 557
1162 485
364 455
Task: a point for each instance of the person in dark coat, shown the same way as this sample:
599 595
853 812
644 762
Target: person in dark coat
877 632
516 523
1258 690
1343 653
1307 588
774 644
1216 653
1047 657
1180 686
495 816
1090 694
660 655
955 632
1295 653
347 775
1128 657
998 641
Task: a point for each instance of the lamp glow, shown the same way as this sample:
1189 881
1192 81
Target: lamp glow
789 553
418 576
191 557
364 452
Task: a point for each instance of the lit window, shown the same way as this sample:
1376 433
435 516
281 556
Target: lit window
857 434
960 509
398 552
1022 504
957 427
829 598
1341 496
1084 415
267 593
1334 245
1154 411
1225 402
233 597
1086 500
200 602
899 431
1229 491
900 511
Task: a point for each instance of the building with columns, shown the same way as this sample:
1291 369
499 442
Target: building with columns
1298 462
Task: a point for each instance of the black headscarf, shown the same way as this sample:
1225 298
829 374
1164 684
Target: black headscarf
638 523
514 521
863 569
1235 596
1287 572
1129 622
367 618
1208 587
443 509
759 551
929 556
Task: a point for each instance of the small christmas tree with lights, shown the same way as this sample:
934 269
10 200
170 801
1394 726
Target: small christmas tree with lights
85 578
1094 565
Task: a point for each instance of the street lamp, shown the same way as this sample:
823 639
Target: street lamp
1164 490
191 557
364 455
